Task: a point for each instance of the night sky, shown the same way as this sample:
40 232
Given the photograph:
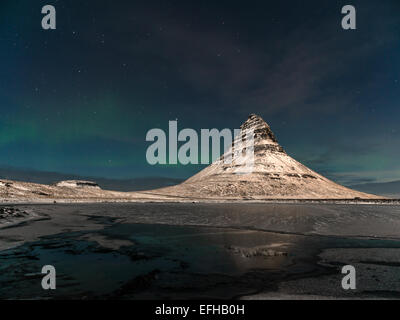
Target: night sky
80 99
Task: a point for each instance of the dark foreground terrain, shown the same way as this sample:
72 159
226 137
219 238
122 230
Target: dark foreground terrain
187 251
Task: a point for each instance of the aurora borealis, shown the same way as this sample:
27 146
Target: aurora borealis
80 99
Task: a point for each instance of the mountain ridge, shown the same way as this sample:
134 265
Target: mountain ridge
51 177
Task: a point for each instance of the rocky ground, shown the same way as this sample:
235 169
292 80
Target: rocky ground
9 212
14 215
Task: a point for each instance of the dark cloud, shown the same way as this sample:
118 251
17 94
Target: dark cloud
309 67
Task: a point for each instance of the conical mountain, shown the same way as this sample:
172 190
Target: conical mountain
273 175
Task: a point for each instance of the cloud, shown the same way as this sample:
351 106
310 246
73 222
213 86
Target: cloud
349 179
361 177
306 66
307 69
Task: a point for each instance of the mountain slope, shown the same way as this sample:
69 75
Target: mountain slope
275 175
68 191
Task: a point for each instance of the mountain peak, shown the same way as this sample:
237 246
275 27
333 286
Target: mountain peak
264 138
273 175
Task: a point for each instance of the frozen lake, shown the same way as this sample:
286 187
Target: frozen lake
187 251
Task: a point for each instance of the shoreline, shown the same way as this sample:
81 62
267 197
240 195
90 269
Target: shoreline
10 202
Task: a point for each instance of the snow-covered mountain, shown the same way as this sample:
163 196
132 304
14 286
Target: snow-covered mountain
274 175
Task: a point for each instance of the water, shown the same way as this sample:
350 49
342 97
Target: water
150 261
